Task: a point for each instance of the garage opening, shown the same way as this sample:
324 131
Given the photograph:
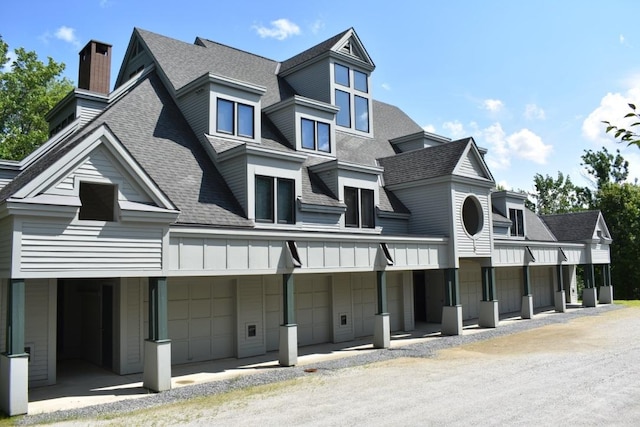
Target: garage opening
428 295
85 321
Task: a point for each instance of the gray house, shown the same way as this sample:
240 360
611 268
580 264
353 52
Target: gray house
220 204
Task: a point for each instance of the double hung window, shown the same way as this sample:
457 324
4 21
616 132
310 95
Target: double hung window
517 222
275 200
235 118
360 208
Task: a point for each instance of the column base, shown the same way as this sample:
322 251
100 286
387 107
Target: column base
157 365
452 320
14 387
288 350
560 301
590 297
527 307
606 295
382 331
489 314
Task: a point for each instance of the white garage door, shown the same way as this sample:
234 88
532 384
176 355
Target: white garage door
201 319
313 305
470 292
363 288
542 286
509 289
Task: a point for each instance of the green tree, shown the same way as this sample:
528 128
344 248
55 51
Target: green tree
27 92
620 205
558 195
627 135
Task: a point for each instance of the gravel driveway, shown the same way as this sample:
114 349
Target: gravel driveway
575 369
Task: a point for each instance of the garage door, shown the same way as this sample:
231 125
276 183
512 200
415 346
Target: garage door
509 289
470 292
364 303
542 286
313 305
201 319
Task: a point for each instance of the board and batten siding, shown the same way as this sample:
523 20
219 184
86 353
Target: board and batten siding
100 165
226 255
195 108
428 206
479 244
507 253
60 246
313 81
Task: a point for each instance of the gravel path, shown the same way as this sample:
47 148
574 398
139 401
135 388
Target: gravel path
579 367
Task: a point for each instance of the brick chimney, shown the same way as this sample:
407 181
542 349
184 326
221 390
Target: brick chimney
94 73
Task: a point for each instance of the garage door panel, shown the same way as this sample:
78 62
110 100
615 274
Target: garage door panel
304 301
179 351
200 328
313 315
200 349
178 292
200 308
178 329
200 291
223 307
178 310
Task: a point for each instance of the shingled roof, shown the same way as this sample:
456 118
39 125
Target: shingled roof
430 162
574 226
312 52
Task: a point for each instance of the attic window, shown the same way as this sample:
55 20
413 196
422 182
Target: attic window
347 48
517 222
98 202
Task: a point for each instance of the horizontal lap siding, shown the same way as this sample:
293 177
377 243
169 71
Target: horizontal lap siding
59 247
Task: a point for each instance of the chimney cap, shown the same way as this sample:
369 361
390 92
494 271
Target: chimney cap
96 42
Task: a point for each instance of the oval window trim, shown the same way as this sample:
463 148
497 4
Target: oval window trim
472 218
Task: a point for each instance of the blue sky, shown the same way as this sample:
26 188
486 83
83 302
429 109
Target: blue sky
530 81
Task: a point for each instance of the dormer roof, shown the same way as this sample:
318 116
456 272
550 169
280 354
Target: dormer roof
577 226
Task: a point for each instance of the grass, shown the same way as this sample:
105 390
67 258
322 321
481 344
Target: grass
628 303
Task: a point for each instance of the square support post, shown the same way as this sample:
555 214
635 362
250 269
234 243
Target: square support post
288 349
382 325
590 292
527 298
14 363
559 297
452 310
606 290
156 374
489 313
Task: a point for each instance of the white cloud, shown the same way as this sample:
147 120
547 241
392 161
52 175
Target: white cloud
493 105
385 86
429 128
532 111
280 29
68 35
522 144
455 128
527 145
317 26
613 107
621 39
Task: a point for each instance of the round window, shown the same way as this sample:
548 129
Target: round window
472 216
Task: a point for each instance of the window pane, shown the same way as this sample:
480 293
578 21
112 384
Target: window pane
520 218
264 198
344 115
245 120
97 202
308 134
512 217
225 116
351 200
286 204
324 143
366 202
362 114
360 81
341 75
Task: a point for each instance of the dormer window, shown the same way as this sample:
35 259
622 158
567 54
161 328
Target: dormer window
275 200
517 222
351 97
235 118
360 207
315 135
98 201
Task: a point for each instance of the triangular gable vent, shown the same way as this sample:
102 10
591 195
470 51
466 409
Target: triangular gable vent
472 165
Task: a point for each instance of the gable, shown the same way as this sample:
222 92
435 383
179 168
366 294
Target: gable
472 165
99 157
102 167
352 47
601 231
